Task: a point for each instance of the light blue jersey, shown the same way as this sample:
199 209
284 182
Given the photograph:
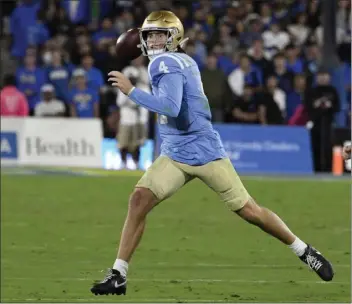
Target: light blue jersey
184 114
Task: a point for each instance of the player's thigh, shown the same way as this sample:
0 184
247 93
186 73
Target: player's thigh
123 136
163 178
221 176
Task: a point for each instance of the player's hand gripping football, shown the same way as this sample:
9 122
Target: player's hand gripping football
120 81
346 152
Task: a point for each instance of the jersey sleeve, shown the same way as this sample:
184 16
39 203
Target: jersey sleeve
165 64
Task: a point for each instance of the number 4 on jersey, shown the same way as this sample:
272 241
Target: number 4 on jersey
163 68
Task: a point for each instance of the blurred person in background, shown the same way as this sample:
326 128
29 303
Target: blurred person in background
139 64
259 57
132 129
284 76
216 89
60 23
253 31
80 46
269 112
299 30
245 110
313 11
312 58
78 11
22 18
38 33
12 101
103 38
200 45
111 60
124 22
278 95
84 101
191 51
49 106
201 22
293 62
275 38
244 74
59 75
297 96
94 76
266 15
29 80
322 102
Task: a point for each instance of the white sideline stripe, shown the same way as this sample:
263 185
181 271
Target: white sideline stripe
175 281
132 301
240 265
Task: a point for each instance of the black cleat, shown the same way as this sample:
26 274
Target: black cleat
113 283
318 263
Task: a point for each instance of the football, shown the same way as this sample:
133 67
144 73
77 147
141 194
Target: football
127 45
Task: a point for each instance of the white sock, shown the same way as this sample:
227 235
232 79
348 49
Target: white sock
298 247
121 266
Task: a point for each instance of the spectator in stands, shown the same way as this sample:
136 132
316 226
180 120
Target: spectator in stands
322 103
245 110
284 76
59 75
296 97
200 45
244 74
275 39
78 11
269 112
139 63
94 76
313 13
124 22
29 80
133 119
266 15
216 88
253 32
111 60
49 106
60 23
191 51
259 57
12 101
278 95
293 62
299 30
104 36
24 16
312 55
84 101
38 33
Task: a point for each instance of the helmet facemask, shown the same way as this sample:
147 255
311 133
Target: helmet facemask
169 46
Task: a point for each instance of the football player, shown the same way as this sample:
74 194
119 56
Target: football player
190 149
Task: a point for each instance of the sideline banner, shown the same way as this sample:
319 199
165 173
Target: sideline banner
265 149
51 142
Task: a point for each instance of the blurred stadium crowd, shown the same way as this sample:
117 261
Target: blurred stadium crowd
260 60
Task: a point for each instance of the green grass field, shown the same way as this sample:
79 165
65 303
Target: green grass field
59 232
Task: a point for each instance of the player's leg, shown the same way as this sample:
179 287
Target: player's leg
136 142
160 181
122 137
223 179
